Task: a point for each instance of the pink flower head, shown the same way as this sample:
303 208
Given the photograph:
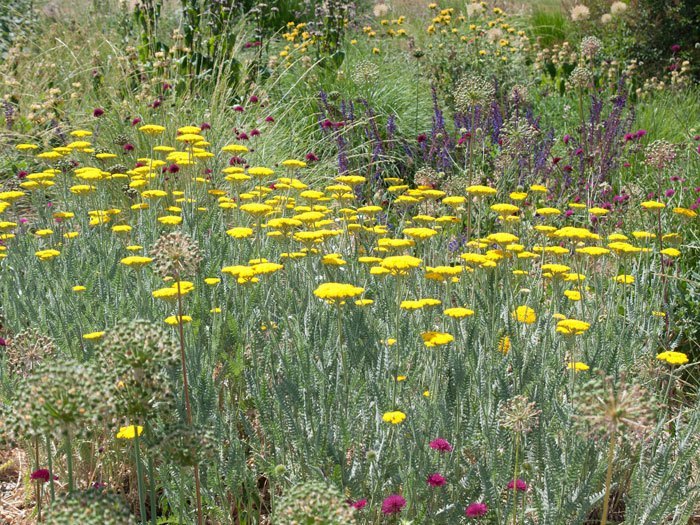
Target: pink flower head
441 445
253 99
128 147
238 108
269 119
254 132
3 342
98 112
436 480
42 475
476 510
135 121
311 157
359 504
204 126
393 504
518 484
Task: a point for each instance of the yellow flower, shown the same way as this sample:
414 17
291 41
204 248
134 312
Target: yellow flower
170 220
364 302
572 327
593 251
239 232
624 279
458 313
578 366
573 295
673 358
136 261
502 238
173 319
668 252
419 233
129 432
78 288
685 212
235 148
652 205
504 344
292 163
431 339
45 255
394 417
400 264
93 335
260 171
337 292
256 209
211 281
524 314
152 129
481 191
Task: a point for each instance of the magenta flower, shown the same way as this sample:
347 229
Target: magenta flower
359 504
98 112
42 475
441 445
476 510
3 342
436 480
519 484
393 504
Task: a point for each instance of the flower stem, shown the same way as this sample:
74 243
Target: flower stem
608 479
139 476
186 388
515 480
50 462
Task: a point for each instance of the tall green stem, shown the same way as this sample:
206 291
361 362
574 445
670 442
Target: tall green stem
608 479
139 475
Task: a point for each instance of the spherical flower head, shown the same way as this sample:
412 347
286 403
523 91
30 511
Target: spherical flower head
176 254
618 8
441 445
581 77
580 13
590 46
393 504
436 480
476 510
518 484
395 417
524 314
